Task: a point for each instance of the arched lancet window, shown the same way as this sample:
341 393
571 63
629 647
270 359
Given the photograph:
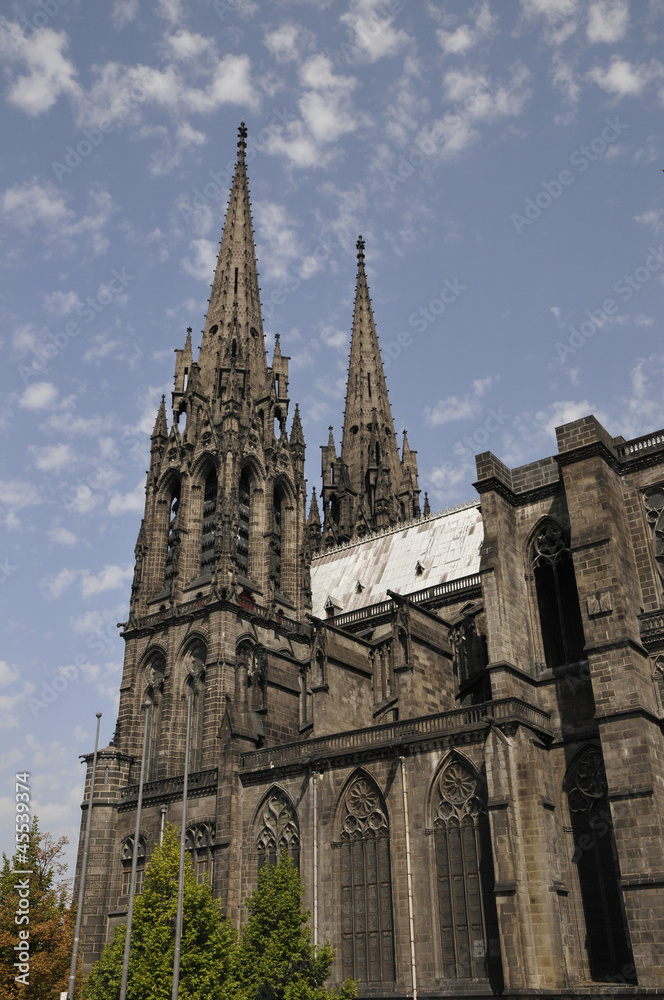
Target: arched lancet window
306 707
277 830
196 658
464 878
209 517
607 937
199 841
277 533
244 513
173 539
658 678
557 597
367 933
155 695
126 856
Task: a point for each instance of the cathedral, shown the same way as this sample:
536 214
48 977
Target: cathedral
453 722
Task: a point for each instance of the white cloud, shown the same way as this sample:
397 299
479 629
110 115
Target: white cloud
120 92
327 114
475 100
333 337
49 72
202 259
8 673
124 12
16 494
39 396
61 303
565 79
29 203
644 407
62 536
288 42
607 21
53 587
109 578
459 407
467 36
128 503
623 79
33 203
278 243
445 480
10 703
171 10
189 45
52 458
371 31
653 218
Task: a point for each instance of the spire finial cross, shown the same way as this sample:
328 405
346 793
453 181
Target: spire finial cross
242 135
360 248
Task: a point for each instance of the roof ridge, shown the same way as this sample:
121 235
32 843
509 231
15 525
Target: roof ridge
402 526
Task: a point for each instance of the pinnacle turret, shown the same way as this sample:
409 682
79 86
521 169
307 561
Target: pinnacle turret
369 445
160 425
234 327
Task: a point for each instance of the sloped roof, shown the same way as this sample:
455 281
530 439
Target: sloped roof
446 546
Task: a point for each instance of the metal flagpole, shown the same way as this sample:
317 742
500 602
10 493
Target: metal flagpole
183 831
134 860
84 869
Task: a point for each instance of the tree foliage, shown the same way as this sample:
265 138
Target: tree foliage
50 923
208 938
275 959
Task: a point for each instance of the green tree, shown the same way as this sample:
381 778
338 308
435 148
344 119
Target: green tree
275 959
43 898
208 938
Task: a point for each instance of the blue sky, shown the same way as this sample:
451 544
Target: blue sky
503 163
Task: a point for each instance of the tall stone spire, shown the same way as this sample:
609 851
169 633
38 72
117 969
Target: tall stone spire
233 334
368 449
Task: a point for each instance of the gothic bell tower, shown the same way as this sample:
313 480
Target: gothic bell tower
219 597
225 492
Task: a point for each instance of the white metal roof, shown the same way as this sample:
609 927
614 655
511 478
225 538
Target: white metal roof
446 546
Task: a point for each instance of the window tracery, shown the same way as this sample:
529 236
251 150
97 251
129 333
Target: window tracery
557 596
199 841
464 877
607 937
278 830
366 886
126 857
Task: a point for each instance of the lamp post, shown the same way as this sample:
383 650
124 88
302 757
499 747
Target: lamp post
134 860
84 870
183 832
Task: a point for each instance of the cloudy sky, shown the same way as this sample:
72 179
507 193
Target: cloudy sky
503 163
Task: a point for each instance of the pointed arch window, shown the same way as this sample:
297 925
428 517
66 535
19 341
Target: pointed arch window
173 538
557 597
367 929
196 691
155 695
209 517
126 857
278 830
464 878
595 855
277 534
199 841
244 513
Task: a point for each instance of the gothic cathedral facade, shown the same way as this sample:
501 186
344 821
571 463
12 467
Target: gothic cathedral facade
453 722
